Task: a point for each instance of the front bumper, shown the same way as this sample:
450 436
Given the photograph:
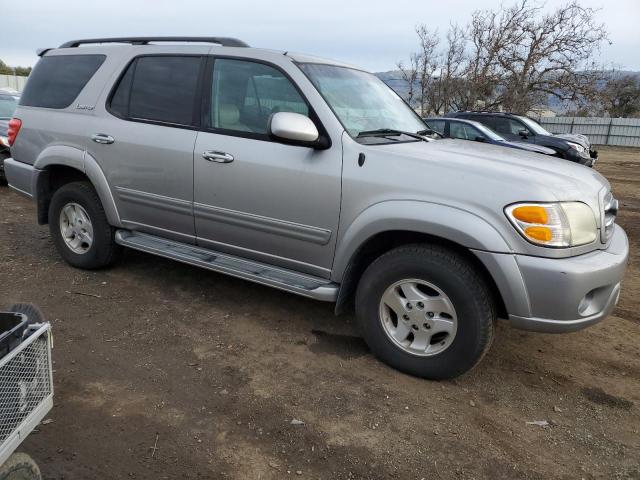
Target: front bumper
587 158
572 293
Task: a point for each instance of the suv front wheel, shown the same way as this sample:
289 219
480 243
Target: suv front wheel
425 310
79 227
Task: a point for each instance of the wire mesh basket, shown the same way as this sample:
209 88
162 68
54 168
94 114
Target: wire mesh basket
26 388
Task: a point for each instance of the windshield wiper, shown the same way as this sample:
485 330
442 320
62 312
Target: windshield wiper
429 131
383 132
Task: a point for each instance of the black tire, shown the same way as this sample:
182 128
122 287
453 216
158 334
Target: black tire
103 251
458 279
32 312
20 466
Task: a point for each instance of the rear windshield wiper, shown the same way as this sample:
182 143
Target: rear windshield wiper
383 132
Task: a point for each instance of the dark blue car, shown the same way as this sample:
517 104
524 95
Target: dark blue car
474 131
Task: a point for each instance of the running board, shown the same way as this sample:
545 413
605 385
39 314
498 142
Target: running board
305 285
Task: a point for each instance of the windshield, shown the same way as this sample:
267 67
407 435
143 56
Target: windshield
8 104
486 131
535 127
361 101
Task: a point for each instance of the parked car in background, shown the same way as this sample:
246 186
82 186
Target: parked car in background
573 147
477 132
314 177
8 103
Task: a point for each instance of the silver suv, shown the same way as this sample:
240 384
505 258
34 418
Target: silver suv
314 177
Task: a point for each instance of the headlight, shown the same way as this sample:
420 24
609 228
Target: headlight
577 147
4 142
564 224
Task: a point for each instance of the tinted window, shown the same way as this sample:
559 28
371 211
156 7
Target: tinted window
437 125
56 81
507 126
486 120
244 94
463 131
158 88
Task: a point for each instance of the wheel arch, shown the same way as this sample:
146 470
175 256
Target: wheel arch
374 233
58 165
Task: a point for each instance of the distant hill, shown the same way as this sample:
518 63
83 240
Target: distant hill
393 78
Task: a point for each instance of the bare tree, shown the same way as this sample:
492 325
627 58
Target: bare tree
549 55
410 76
488 33
445 88
513 58
620 97
428 62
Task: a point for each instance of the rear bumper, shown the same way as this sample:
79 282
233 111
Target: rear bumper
572 293
21 176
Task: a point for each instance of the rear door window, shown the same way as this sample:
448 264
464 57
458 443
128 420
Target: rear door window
508 126
56 81
462 131
159 89
486 120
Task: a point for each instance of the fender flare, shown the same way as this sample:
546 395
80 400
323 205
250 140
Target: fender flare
80 160
450 223
464 228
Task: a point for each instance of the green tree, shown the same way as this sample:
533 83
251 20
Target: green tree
5 69
20 71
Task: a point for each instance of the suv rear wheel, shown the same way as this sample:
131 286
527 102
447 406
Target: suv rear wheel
425 310
79 227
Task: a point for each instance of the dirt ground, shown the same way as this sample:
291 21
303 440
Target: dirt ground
212 370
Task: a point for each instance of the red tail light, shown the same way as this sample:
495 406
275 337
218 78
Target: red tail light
14 128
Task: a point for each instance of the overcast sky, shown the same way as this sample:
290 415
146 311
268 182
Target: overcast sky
373 34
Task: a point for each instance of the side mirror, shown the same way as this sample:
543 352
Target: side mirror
479 139
523 133
294 129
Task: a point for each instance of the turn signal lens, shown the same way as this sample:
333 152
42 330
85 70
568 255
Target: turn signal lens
562 224
543 234
531 214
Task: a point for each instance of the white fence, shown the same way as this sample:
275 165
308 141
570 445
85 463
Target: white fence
623 132
13 81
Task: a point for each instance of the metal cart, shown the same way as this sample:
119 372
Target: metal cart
26 385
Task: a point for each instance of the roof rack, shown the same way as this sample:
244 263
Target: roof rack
485 111
224 41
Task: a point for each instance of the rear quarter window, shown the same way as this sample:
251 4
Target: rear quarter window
56 81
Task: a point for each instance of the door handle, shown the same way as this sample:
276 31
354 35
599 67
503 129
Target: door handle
102 138
219 157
